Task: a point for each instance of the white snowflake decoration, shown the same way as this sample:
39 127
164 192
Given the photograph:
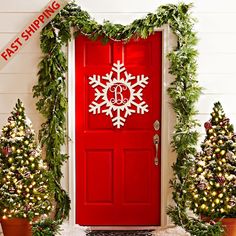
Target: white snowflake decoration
118 92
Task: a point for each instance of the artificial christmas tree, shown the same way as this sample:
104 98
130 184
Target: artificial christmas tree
214 173
24 179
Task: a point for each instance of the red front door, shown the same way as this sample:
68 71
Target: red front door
118 99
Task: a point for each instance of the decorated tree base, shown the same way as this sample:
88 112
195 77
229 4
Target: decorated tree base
16 227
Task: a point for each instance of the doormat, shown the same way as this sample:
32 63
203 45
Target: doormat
120 233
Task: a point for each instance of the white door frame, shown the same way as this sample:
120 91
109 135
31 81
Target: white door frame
167 123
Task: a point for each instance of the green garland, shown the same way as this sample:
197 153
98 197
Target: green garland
184 92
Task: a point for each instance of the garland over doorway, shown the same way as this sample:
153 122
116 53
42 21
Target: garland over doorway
184 91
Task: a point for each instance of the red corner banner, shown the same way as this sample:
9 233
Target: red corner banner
36 24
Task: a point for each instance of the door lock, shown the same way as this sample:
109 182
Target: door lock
156 125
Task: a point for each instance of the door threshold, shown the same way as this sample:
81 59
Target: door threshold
123 227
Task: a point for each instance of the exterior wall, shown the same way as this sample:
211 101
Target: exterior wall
217 50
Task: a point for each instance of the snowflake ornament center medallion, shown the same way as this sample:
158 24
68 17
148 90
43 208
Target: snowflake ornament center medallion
118 94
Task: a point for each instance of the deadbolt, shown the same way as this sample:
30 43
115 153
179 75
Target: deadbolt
156 125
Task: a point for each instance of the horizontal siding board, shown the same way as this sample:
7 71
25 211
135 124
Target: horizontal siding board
217 83
24 82
217 22
8 101
33 46
206 102
216 63
216 42
15 21
23 5
23 63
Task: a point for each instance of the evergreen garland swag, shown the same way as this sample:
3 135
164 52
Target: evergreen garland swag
184 92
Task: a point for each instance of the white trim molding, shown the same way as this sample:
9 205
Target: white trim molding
167 121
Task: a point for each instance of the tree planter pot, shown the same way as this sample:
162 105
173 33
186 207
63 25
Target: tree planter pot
16 227
229 225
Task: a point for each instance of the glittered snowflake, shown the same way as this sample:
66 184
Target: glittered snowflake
118 94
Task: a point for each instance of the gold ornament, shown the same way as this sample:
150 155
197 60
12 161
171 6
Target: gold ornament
220 195
220 142
13 168
222 152
13 124
214 193
217 200
217 150
203 206
217 185
210 131
26 142
21 133
18 151
199 169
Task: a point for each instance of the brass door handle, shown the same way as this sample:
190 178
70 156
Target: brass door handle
156 143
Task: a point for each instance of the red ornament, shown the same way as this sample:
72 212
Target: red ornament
225 121
207 125
220 179
6 151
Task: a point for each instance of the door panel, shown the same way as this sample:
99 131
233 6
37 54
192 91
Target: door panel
117 182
